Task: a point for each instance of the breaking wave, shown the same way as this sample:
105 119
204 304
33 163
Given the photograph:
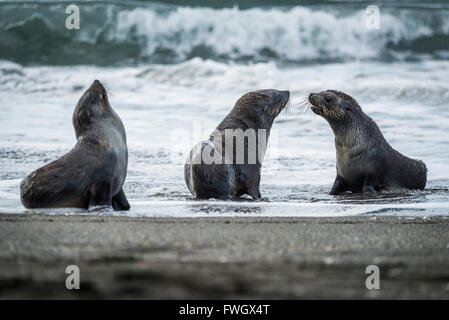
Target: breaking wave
117 34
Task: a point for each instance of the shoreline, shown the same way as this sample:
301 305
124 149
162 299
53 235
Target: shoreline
223 258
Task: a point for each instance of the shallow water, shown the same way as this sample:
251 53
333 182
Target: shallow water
168 106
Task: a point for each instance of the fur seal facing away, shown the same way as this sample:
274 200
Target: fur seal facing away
365 160
92 174
228 165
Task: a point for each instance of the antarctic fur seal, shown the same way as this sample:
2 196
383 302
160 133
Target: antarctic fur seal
228 165
91 175
365 160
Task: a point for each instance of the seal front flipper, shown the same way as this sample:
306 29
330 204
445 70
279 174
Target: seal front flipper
338 188
119 201
370 185
367 190
255 194
100 196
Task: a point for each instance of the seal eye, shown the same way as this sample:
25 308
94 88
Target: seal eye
328 98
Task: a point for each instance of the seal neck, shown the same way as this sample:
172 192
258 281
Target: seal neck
356 131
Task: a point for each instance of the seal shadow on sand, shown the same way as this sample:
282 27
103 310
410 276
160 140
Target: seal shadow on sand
224 208
389 197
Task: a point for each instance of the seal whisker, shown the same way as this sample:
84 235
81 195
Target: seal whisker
108 90
304 105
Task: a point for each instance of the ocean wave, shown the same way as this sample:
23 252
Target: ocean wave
298 34
200 80
114 34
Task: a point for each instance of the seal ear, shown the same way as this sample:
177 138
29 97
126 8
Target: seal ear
84 116
346 106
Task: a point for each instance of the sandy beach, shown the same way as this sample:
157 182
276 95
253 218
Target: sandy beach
215 258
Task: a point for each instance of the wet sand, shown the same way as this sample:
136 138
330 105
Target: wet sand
215 258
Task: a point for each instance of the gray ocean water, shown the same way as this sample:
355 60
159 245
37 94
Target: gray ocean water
174 70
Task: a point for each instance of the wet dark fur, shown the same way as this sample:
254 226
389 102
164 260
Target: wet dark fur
365 160
254 110
92 173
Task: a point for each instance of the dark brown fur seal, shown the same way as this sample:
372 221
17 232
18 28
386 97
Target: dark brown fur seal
235 176
365 160
92 174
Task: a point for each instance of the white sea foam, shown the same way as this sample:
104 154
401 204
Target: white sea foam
198 81
299 33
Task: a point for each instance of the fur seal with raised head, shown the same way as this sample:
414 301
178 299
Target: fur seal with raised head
228 165
91 175
365 161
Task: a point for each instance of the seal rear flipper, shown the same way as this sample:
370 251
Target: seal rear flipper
205 174
100 196
55 185
119 201
211 181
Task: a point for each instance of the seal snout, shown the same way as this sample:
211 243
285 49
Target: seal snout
281 101
97 85
97 90
285 95
315 101
274 94
313 98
